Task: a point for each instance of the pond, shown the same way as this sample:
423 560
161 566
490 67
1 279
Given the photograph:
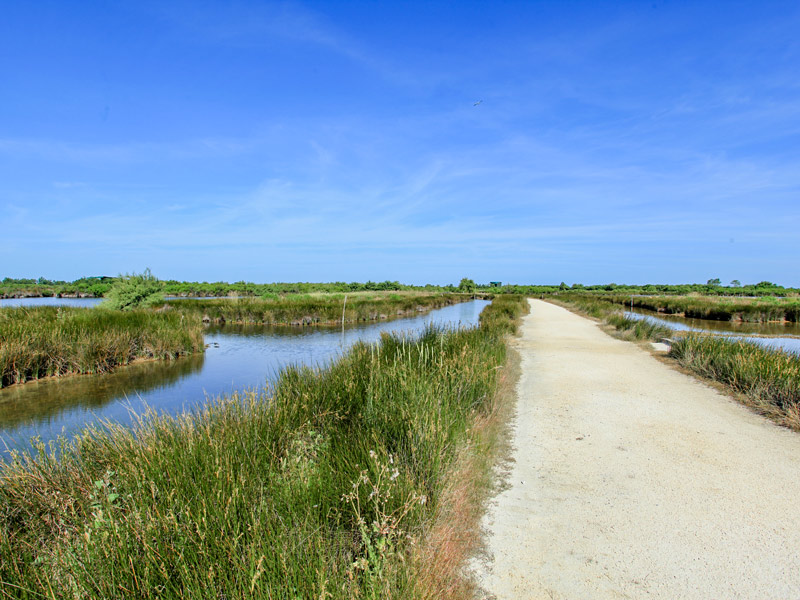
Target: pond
237 357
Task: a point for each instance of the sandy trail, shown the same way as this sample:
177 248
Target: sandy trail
632 480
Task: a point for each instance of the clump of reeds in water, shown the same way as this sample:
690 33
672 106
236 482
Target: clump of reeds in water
769 379
55 340
320 487
311 310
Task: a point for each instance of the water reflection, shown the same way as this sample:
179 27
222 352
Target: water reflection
684 324
237 357
44 401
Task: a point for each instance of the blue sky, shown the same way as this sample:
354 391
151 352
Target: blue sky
611 142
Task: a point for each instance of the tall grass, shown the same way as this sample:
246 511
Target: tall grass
56 340
638 329
322 487
610 313
310 310
752 310
769 379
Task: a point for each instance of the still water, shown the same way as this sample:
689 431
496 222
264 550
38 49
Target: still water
771 335
237 357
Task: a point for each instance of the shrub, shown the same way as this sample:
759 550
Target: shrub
135 291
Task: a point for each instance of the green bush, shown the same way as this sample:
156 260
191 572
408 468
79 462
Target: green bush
135 291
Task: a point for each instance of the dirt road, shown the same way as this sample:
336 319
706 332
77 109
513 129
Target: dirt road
632 480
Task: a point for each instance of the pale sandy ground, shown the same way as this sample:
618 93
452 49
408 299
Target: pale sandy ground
632 480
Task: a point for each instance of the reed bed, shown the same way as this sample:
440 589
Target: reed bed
751 310
768 379
312 310
49 341
324 486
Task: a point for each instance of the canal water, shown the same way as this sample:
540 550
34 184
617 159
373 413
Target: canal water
238 357
771 335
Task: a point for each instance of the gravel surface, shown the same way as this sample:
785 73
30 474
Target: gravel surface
633 480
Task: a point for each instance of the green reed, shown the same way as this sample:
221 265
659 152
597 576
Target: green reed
611 314
769 379
310 309
716 308
319 487
48 341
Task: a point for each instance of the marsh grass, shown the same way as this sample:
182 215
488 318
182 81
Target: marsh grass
638 329
49 341
315 309
768 379
324 486
750 310
610 314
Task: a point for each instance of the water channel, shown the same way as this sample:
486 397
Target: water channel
237 357
771 335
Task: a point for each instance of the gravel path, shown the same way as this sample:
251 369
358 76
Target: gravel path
632 480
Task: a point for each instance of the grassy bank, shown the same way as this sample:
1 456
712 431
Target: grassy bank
310 309
769 380
611 314
751 310
50 340
329 485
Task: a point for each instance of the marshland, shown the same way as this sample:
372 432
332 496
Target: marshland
310 444
327 483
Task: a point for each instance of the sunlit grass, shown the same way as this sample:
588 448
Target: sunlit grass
769 379
48 341
320 487
311 309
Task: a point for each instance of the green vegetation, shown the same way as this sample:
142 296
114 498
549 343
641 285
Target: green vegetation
325 486
134 291
99 286
310 310
466 285
85 287
768 379
53 340
611 314
638 329
727 308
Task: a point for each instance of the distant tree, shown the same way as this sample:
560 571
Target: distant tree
466 285
563 286
736 283
765 284
134 291
714 281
